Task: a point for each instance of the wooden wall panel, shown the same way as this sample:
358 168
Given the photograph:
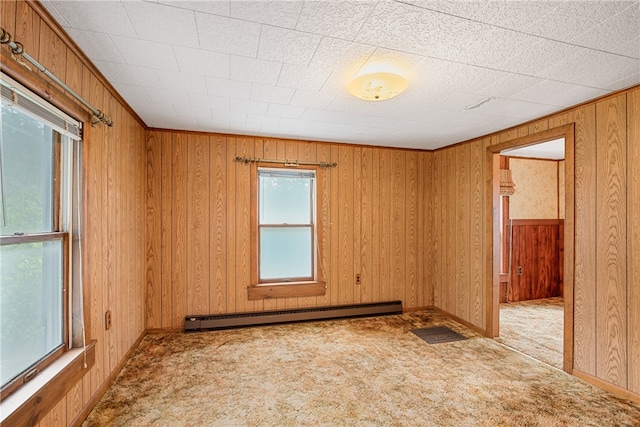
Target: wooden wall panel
584 333
476 270
462 217
611 193
370 207
633 247
114 197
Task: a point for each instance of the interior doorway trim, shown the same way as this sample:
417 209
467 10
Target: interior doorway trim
492 237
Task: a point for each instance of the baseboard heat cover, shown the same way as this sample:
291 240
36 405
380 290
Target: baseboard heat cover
226 321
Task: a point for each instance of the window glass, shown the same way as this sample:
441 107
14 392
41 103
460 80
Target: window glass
27 173
285 199
35 222
285 252
31 304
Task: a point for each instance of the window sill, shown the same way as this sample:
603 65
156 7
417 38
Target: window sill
287 290
28 404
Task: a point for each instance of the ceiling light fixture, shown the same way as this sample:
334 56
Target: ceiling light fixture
377 86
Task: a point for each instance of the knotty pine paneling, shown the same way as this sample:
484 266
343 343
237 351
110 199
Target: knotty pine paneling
114 199
368 208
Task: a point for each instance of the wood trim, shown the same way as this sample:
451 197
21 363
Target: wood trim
536 221
455 318
290 290
32 410
47 19
286 289
618 391
493 249
42 87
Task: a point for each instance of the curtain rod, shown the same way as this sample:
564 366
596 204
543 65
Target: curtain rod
288 163
18 49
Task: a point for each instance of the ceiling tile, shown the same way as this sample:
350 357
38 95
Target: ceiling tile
280 13
132 93
402 27
610 35
262 120
542 55
311 99
288 46
275 94
129 74
301 77
340 19
107 17
227 35
178 25
217 7
584 15
145 53
557 93
228 88
244 106
288 111
168 97
203 62
176 80
98 46
254 70
200 100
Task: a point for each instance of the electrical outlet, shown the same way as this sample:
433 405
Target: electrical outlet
107 320
358 279
519 270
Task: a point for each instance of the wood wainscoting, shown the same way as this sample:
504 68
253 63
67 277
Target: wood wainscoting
536 260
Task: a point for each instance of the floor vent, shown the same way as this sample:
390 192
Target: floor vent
226 321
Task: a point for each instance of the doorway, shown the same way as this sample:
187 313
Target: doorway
497 285
531 215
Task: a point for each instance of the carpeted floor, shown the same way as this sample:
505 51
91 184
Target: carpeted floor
534 328
356 372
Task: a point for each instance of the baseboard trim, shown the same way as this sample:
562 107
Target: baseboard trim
93 401
618 391
469 325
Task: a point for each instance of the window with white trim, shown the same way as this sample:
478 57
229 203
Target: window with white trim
38 211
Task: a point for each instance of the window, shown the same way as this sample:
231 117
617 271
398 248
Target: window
37 145
285 234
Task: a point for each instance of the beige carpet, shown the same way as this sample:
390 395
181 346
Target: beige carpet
357 372
534 328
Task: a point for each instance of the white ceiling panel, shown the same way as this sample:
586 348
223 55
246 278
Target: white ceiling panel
280 13
98 46
202 62
341 19
145 53
178 25
281 68
254 70
227 35
275 45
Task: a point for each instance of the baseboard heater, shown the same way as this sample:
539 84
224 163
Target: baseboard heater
237 320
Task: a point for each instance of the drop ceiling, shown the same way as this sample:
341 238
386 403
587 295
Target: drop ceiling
280 68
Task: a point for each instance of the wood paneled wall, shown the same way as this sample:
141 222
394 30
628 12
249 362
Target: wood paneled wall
458 231
375 213
606 261
113 205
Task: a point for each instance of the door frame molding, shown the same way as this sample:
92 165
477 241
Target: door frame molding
492 236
